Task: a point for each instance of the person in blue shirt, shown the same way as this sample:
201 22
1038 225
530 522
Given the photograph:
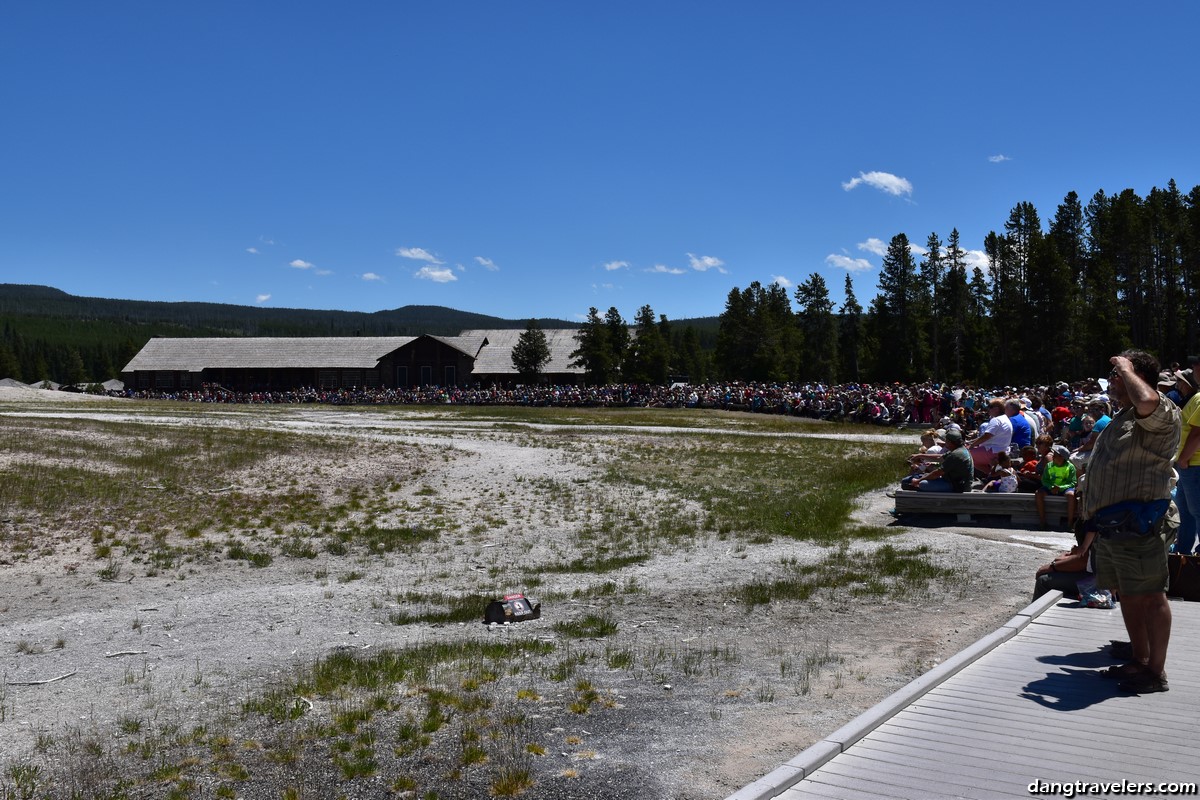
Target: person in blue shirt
1022 432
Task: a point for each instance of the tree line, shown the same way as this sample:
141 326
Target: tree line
1120 271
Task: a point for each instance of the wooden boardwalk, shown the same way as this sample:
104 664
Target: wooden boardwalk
1026 704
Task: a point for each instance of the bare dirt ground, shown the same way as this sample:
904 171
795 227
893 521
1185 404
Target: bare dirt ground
715 695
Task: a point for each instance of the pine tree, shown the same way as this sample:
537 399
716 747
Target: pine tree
952 307
896 320
981 342
618 339
931 278
1106 330
647 357
1069 235
851 336
593 352
531 352
818 330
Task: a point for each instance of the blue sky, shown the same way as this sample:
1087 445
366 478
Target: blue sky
538 158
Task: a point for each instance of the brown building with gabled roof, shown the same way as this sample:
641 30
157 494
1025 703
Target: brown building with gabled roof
256 364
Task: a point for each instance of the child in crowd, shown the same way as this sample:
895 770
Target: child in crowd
1029 479
1058 479
1003 477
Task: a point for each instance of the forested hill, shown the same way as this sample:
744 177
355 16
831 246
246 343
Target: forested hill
220 319
48 333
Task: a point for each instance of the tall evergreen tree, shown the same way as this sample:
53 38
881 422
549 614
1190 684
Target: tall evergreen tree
618 337
1069 235
895 319
1008 307
531 353
818 330
851 335
981 341
932 267
1106 329
952 307
594 353
689 357
735 336
648 355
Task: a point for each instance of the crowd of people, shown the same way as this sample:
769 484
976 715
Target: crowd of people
877 404
1127 458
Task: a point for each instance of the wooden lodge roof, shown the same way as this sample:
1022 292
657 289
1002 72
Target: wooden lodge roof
496 357
491 351
194 355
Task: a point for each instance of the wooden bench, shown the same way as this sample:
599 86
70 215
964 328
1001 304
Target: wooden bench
1018 507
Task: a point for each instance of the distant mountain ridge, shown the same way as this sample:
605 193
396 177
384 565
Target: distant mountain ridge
210 319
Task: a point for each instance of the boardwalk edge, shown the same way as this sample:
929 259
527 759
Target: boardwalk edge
809 760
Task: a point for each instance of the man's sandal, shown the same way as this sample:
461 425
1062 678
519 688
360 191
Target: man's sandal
1145 682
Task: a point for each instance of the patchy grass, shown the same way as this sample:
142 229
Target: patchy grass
887 570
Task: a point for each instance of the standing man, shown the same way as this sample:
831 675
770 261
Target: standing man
1131 462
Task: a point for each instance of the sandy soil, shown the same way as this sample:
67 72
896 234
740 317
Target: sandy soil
716 697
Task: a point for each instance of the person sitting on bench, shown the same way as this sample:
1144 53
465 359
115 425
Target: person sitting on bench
957 472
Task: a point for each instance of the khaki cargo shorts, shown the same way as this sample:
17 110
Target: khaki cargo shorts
1135 566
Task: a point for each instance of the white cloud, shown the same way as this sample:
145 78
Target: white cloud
435 275
371 276
611 266
847 263
917 250
262 298
266 240
298 264
705 263
486 263
873 245
460 268
664 269
998 158
253 250
976 258
883 181
418 254
782 281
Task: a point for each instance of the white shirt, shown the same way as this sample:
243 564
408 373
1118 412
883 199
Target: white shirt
1001 430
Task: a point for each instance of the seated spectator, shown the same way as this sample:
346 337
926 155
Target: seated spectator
924 460
956 474
1058 479
1074 432
1022 431
994 437
1003 477
1033 461
1066 571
